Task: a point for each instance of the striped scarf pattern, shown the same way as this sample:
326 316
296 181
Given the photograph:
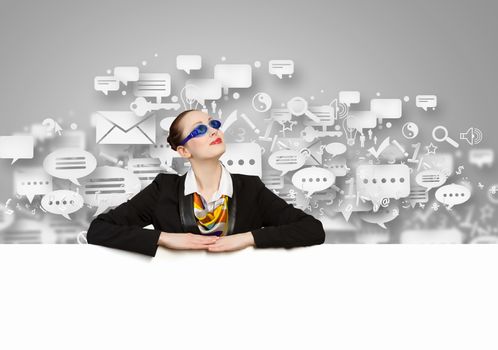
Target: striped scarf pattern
212 223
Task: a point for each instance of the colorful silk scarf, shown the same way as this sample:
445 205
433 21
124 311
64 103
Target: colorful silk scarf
212 223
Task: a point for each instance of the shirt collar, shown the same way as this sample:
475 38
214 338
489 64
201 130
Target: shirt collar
225 187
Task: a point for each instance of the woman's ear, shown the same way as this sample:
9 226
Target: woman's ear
182 151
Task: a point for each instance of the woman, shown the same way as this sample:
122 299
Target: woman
206 208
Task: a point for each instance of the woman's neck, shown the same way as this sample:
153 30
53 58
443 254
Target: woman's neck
207 174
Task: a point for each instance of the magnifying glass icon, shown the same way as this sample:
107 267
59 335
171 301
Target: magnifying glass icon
299 106
444 137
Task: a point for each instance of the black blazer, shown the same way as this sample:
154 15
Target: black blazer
253 207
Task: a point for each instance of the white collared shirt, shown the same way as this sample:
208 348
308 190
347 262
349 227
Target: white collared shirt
225 187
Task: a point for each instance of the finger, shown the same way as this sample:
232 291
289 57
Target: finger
198 246
216 248
206 238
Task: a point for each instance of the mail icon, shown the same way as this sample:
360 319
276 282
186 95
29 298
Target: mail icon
124 127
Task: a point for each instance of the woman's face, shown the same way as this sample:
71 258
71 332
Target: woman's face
200 147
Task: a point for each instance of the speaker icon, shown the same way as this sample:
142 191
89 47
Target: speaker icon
473 136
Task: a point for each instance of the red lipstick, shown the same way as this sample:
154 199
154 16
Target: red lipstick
215 142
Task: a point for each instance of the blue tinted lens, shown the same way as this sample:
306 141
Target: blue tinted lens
200 129
215 123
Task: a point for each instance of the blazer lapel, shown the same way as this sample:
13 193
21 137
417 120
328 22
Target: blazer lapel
232 206
186 207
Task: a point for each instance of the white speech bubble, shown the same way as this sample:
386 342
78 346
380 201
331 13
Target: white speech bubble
441 161
233 75
313 179
381 216
430 178
386 108
418 194
32 181
281 67
146 169
286 160
17 147
376 182
452 194
325 114
335 148
188 62
106 84
62 202
243 158
360 120
70 163
126 73
202 89
153 85
426 101
481 157
109 186
348 97
337 165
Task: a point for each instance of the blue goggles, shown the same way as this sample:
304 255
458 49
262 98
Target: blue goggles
201 129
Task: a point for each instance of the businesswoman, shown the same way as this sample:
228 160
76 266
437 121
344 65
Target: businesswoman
206 208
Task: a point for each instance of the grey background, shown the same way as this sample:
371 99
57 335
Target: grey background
51 51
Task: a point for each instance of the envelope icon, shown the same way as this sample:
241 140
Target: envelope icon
124 127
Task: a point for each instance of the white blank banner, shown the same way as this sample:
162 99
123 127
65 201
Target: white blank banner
322 297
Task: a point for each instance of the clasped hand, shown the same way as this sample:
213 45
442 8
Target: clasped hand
184 241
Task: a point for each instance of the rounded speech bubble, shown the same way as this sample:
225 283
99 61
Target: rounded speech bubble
286 160
70 163
430 178
109 186
335 148
381 216
126 73
313 179
452 194
62 202
188 62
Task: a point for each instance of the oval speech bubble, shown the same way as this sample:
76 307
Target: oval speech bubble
313 179
109 186
70 163
286 160
335 148
430 178
452 194
62 202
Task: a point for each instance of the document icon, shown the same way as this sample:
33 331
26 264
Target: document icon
124 127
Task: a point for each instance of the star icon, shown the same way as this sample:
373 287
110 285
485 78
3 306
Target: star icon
431 149
290 123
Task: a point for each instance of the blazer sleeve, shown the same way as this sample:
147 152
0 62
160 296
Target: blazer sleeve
284 225
122 227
